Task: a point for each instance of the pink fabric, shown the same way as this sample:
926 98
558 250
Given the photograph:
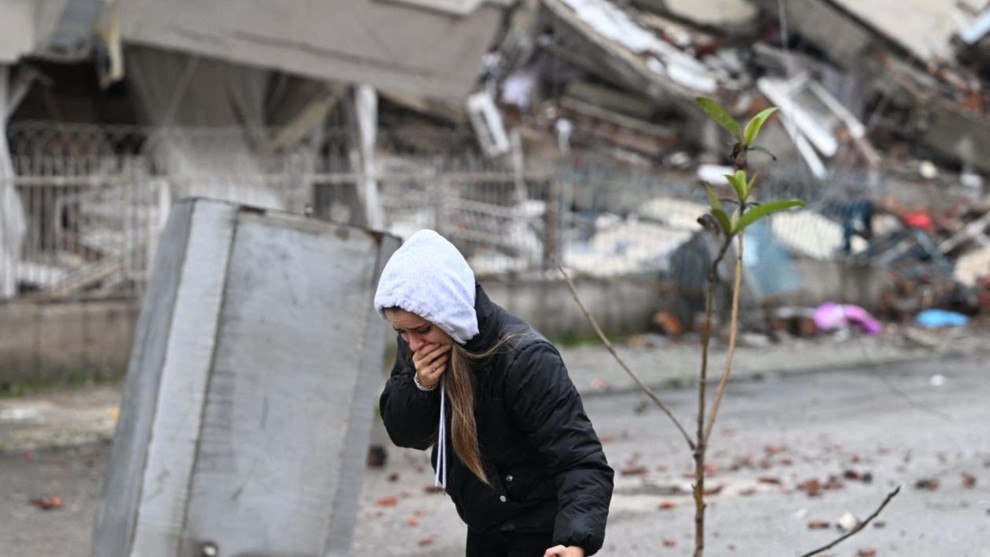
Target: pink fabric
830 316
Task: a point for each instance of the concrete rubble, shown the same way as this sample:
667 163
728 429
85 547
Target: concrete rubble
898 101
889 116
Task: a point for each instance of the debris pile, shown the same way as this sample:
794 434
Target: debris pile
578 141
885 120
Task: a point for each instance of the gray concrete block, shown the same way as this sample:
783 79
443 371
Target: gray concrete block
250 391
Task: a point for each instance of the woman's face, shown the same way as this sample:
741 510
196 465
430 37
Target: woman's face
415 330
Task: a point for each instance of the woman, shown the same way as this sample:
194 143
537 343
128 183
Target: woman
512 445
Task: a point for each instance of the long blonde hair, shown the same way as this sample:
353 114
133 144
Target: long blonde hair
463 426
461 390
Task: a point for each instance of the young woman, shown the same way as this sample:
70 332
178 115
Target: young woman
512 445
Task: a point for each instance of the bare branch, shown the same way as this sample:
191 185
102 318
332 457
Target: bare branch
601 335
858 527
733 329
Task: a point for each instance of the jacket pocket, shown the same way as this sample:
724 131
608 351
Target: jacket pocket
526 485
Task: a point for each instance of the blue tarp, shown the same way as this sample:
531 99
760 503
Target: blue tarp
768 267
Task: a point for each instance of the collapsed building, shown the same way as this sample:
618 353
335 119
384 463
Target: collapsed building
529 132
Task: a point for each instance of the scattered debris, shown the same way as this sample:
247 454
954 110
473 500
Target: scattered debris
847 522
865 477
714 489
812 487
53 502
376 456
389 501
832 316
795 321
634 470
934 318
667 324
600 384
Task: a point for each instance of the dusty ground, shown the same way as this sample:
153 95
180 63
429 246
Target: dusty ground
920 426
858 433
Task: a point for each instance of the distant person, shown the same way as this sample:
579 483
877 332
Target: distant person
857 220
512 445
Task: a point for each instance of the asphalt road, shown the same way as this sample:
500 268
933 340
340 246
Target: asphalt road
789 453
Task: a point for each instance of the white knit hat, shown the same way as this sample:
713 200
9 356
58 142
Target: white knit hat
429 277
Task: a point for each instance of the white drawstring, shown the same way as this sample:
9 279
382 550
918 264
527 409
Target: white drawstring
440 480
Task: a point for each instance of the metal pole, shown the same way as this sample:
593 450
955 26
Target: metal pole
12 222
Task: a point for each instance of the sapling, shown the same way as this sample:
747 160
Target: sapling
725 228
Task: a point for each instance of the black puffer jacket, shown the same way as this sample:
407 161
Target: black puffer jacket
544 461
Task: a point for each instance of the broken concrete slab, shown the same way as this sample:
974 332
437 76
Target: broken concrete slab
625 247
973 266
847 29
250 392
722 14
630 51
30 28
389 45
921 27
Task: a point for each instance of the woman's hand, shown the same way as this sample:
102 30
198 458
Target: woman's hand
431 362
564 551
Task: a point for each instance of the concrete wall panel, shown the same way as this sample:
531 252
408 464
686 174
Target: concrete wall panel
250 392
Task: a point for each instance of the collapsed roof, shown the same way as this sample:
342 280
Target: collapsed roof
392 45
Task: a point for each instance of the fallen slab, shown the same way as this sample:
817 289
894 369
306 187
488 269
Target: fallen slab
249 397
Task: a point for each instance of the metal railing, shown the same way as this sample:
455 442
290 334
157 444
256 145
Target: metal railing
95 199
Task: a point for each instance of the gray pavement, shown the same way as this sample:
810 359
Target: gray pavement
56 443
862 432
662 363
80 415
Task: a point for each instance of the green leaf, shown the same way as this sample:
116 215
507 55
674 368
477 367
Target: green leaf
764 209
721 117
750 184
738 181
762 150
717 211
754 125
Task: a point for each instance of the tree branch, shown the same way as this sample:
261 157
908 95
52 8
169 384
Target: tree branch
733 330
601 335
858 527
